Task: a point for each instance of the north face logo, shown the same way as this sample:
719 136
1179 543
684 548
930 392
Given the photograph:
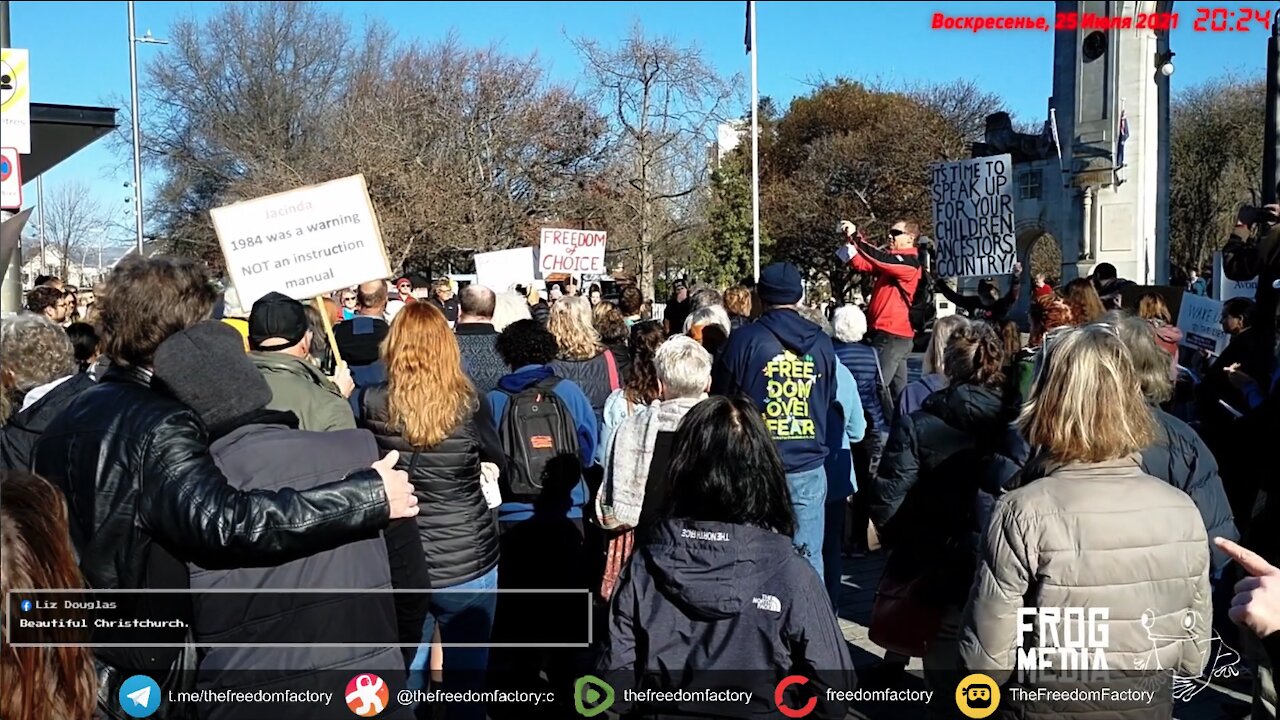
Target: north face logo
768 603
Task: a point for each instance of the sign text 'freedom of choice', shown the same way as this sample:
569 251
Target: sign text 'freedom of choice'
303 242
973 221
577 252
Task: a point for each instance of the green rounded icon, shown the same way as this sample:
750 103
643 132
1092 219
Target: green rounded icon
592 696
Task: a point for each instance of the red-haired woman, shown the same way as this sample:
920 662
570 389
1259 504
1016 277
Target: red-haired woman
429 412
40 682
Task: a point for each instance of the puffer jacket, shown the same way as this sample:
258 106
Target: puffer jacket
594 377
1100 535
862 361
144 496
1178 457
928 501
459 532
18 437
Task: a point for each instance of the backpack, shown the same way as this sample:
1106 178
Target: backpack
920 306
540 439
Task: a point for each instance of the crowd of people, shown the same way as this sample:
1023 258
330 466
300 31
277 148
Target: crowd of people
700 477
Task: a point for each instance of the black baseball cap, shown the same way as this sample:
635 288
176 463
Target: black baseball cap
277 316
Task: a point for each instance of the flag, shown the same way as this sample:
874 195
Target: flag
746 38
1121 137
1053 129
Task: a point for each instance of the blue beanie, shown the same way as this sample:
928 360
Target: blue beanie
780 284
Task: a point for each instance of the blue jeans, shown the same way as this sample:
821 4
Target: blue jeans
465 618
808 499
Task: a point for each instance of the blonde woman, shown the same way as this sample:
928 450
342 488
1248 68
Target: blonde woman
582 357
933 375
1094 531
428 411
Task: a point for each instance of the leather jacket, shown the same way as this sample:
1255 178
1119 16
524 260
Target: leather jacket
144 496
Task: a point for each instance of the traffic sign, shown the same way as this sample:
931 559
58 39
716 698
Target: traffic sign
15 98
10 179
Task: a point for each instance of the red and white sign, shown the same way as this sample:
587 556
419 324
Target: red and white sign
577 252
10 179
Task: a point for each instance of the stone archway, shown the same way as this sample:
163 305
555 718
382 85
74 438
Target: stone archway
1039 251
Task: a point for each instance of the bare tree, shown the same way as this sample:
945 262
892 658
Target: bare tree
463 150
1215 164
963 104
664 101
75 222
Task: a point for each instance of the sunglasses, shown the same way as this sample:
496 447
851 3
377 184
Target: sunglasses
348 299
896 233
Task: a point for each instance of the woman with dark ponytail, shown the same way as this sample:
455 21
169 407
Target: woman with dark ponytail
929 503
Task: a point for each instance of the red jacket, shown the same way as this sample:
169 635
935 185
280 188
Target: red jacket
897 275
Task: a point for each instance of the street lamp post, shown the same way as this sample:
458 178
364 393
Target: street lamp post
137 131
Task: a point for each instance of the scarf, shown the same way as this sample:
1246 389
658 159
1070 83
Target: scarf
621 496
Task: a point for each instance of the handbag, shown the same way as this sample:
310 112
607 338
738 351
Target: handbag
902 619
621 545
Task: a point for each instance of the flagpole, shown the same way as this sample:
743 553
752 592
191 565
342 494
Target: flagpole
755 148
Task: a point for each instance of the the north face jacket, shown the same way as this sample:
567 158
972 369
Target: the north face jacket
1099 535
299 387
706 605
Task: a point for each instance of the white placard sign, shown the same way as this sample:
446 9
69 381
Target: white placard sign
1200 319
499 270
303 242
973 221
1224 289
15 99
577 252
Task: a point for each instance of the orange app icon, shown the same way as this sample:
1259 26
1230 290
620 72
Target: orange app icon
367 695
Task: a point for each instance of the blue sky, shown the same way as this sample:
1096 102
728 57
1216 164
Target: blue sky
79 50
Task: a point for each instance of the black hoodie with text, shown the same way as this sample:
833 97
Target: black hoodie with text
707 605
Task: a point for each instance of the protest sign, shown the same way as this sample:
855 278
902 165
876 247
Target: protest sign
499 270
303 242
1224 289
1200 319
577 252
973 220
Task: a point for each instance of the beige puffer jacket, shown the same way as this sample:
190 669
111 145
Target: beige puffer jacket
1102 535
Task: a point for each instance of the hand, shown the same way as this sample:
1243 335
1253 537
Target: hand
400 497
1257 602
848 229
1237 377
342 378
1017 268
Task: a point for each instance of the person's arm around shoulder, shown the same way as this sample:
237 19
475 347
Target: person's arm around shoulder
186 502
1005 570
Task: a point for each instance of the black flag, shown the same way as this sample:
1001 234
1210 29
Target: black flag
746 39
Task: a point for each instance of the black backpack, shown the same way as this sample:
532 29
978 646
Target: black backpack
540 439
920 306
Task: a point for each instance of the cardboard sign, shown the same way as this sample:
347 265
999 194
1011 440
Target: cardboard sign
499 270
303 242
1224 289
577 252
10 179
973 221
1200 320
15 99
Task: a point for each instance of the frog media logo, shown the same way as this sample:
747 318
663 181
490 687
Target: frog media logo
977 696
